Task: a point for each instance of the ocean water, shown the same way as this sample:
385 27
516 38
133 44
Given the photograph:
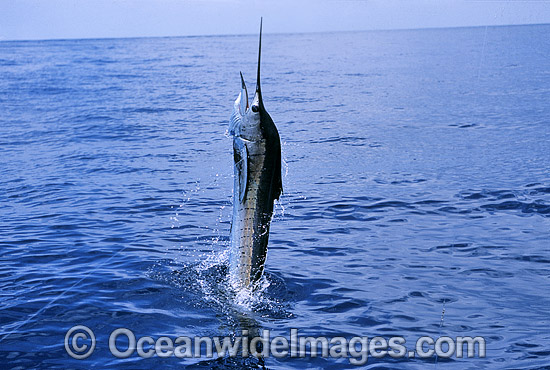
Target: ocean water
416 194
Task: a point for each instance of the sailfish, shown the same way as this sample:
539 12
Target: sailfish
257 183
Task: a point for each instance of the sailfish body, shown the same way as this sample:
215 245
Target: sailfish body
257 183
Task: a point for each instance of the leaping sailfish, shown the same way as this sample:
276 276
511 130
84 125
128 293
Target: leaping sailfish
257 157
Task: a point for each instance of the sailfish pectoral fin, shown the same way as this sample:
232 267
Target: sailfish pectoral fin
241 165
239 109
244 96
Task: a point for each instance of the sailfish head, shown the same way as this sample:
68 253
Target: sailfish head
246 120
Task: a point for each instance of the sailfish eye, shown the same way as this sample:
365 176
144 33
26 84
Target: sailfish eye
255 108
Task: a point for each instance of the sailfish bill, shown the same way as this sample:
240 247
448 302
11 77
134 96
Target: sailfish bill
257 183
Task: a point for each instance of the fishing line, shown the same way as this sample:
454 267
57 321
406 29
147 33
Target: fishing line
482 56
50 303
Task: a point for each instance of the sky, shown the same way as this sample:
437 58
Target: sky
61 19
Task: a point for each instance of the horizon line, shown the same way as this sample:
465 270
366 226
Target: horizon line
274 33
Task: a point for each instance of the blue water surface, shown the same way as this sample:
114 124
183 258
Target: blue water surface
416 193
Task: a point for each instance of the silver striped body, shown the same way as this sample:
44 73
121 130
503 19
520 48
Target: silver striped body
245 228
257 161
